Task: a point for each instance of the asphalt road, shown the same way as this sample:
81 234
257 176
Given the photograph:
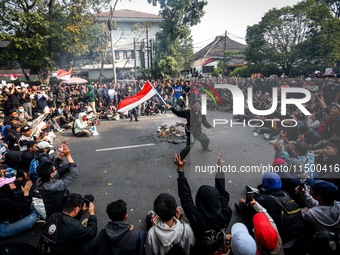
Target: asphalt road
136 168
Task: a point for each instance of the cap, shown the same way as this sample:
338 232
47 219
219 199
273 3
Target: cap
267 93
265 233
323 187
25 128
308 79
241 242
43 145
278 161
336 104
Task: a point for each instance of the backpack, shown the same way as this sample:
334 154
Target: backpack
291 223
324 242
3 129
33 168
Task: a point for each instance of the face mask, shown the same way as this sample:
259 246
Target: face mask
21 110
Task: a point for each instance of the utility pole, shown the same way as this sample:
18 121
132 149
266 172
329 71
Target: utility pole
225 49
134 53
151 59
113 58
147 41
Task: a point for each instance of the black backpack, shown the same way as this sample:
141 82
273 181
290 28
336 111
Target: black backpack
291 223
324 242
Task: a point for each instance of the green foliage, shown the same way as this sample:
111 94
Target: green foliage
45 35
218 70
292 37
243 71
174 40
334 5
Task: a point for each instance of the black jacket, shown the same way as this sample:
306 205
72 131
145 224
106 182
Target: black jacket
25 160
212 210
194 120
117 235
14 205
66 235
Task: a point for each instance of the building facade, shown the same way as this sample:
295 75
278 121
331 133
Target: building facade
131 39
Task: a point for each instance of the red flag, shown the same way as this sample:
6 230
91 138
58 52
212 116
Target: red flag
127 104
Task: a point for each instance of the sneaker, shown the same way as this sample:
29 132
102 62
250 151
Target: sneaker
274 141
267 136
251 189
40 223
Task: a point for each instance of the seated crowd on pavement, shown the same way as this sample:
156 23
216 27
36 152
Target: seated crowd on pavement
296 212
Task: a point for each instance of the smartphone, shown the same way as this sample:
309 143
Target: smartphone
250 197
87 202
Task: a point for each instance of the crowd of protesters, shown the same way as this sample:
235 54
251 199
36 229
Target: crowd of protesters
289 212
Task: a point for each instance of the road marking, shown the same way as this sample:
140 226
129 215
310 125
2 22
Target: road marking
126 147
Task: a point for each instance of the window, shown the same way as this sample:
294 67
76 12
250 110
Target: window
125 55
132 55
116 54
208 69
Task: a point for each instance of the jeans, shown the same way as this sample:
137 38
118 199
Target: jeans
28 108
10 229
142 236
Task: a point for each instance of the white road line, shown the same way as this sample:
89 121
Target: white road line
126 147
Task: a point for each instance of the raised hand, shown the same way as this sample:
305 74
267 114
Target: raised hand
219 159
178 162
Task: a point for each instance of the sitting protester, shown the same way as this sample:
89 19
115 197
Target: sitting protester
26 158
66 120
118 235
168 233
17 213
64 234
81 126
267 236
52 186
324 211
13 136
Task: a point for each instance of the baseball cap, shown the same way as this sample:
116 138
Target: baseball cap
336 104
25 128
267 93
241 242
323 188
43 145
265 233
278 161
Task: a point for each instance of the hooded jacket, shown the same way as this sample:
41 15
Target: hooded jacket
91 97
118 234
160 237
212 210
79 124
321 217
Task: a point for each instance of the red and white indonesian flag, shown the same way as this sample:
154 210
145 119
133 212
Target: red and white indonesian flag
129 103
63 75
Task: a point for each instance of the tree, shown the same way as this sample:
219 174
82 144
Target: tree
174 39
43 34
291 37
334 6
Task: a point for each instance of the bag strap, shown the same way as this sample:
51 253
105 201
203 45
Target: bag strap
279 204
173 243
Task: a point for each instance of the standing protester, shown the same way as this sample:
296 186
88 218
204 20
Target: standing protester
193 127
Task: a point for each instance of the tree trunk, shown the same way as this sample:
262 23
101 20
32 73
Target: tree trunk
44 78
103 59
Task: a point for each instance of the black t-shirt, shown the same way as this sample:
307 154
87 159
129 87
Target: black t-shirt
186 89
26 99
168 90
15 98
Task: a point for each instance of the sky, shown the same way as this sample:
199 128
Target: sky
220 15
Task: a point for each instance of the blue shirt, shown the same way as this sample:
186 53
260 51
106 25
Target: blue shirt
178 94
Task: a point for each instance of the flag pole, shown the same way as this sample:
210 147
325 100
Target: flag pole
157 93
